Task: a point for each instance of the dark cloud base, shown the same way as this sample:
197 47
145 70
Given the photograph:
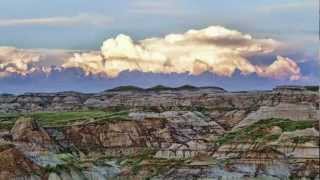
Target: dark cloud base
74 79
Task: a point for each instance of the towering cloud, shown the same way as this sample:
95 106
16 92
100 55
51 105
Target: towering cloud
215 49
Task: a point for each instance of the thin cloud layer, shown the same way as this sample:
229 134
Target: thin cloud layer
59 21
215 49
164 7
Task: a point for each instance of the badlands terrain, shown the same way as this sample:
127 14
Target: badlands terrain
161 133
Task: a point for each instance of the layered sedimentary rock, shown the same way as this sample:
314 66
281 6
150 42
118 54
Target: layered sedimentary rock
166 134
159 100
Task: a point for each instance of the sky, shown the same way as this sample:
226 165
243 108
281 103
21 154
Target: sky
94 45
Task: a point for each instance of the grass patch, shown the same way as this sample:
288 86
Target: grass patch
68 118
303 139
147 161
6 146
7 120
62 118
312 88
258 132
8 116
69 162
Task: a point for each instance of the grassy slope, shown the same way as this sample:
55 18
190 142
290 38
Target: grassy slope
61 118
258 132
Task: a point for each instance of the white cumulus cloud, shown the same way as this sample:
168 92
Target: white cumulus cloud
25 61
13 60
281 68
214 49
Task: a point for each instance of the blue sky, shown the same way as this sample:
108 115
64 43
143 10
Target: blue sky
84 25
292 20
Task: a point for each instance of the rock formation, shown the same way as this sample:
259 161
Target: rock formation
166 133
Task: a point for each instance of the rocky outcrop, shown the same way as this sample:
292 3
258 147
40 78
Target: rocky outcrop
27 130
29 137
14 165
296 112
184 133
119 137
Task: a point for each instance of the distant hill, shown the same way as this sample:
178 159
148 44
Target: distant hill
164 88
312 88
297 88
125 88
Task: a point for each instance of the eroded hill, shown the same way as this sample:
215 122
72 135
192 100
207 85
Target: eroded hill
161 133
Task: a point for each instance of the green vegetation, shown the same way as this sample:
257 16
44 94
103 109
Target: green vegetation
312 88
142 162
55 169
68 162
6 124
6 146
259 131
147 161
62 118
65 116
8 116
165 88
68 118
160 166
159 88
303 139
162 88
7 120
201 109
126 88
